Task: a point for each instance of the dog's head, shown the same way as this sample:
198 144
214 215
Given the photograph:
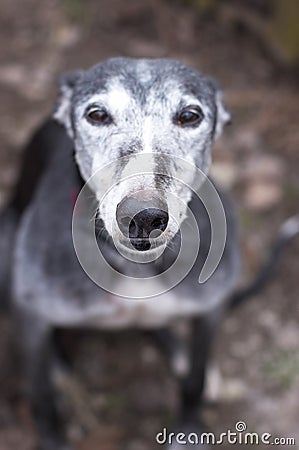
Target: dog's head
141 128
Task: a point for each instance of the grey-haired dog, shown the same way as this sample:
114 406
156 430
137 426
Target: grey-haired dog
144 114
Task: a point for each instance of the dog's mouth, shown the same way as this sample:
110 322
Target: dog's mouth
142 244
141 250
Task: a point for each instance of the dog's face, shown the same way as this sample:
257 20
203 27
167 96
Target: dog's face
140 128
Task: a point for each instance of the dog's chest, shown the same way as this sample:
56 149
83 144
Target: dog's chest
143 312
49 279
105 310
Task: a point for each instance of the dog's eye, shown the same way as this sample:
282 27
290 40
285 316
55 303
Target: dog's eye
99 116
189 116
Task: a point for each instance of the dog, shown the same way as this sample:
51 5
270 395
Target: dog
133 138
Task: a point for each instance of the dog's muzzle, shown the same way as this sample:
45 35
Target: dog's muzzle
142 221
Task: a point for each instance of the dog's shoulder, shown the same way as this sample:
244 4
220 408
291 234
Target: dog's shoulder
223 279
49 138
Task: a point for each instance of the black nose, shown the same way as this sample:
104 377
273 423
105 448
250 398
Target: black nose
141 219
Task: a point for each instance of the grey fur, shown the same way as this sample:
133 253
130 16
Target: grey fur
143 98
49 286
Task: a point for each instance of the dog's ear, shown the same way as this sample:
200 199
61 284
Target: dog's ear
62 108
223 116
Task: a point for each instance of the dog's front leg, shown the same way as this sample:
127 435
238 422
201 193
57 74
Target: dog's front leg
192 384
38 357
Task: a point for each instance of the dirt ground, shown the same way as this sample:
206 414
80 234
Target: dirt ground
122 393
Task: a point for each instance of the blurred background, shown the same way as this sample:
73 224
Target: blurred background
121 393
